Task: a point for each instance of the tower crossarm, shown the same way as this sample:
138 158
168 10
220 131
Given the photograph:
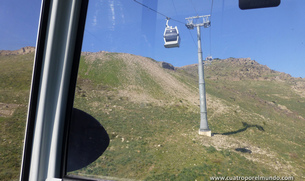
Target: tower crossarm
195 21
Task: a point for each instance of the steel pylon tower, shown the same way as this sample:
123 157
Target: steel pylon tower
198 21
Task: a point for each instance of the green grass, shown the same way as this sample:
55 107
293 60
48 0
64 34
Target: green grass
149 146
15 80
11 136
151 141
106 73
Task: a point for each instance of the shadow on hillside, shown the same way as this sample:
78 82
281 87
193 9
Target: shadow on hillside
245 127
243 150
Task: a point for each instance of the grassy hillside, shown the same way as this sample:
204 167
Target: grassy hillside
152 117
15 80
270 100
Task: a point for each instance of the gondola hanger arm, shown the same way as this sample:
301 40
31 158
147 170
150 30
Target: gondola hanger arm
167 19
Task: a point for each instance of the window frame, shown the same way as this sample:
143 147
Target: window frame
51 23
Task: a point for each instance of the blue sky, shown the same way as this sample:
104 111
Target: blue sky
271 36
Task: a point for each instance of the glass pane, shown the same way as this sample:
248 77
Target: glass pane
19 23
171 35
146 96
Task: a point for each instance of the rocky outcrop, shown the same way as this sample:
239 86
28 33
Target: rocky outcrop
21 51
166 65
236 69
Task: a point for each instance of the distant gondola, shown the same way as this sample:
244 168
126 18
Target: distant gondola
171 36
209 58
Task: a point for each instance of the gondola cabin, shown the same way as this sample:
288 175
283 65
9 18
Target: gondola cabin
171 37
209 58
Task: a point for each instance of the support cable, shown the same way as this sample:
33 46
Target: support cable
192 38
210 30
158 12
194 7
97 38
175 19
211 11
189 30
174 7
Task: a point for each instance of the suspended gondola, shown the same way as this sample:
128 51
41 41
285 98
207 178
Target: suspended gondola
171 36
209 58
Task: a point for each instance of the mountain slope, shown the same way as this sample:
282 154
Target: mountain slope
134 74
268 100
152 117
250 107
15 80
